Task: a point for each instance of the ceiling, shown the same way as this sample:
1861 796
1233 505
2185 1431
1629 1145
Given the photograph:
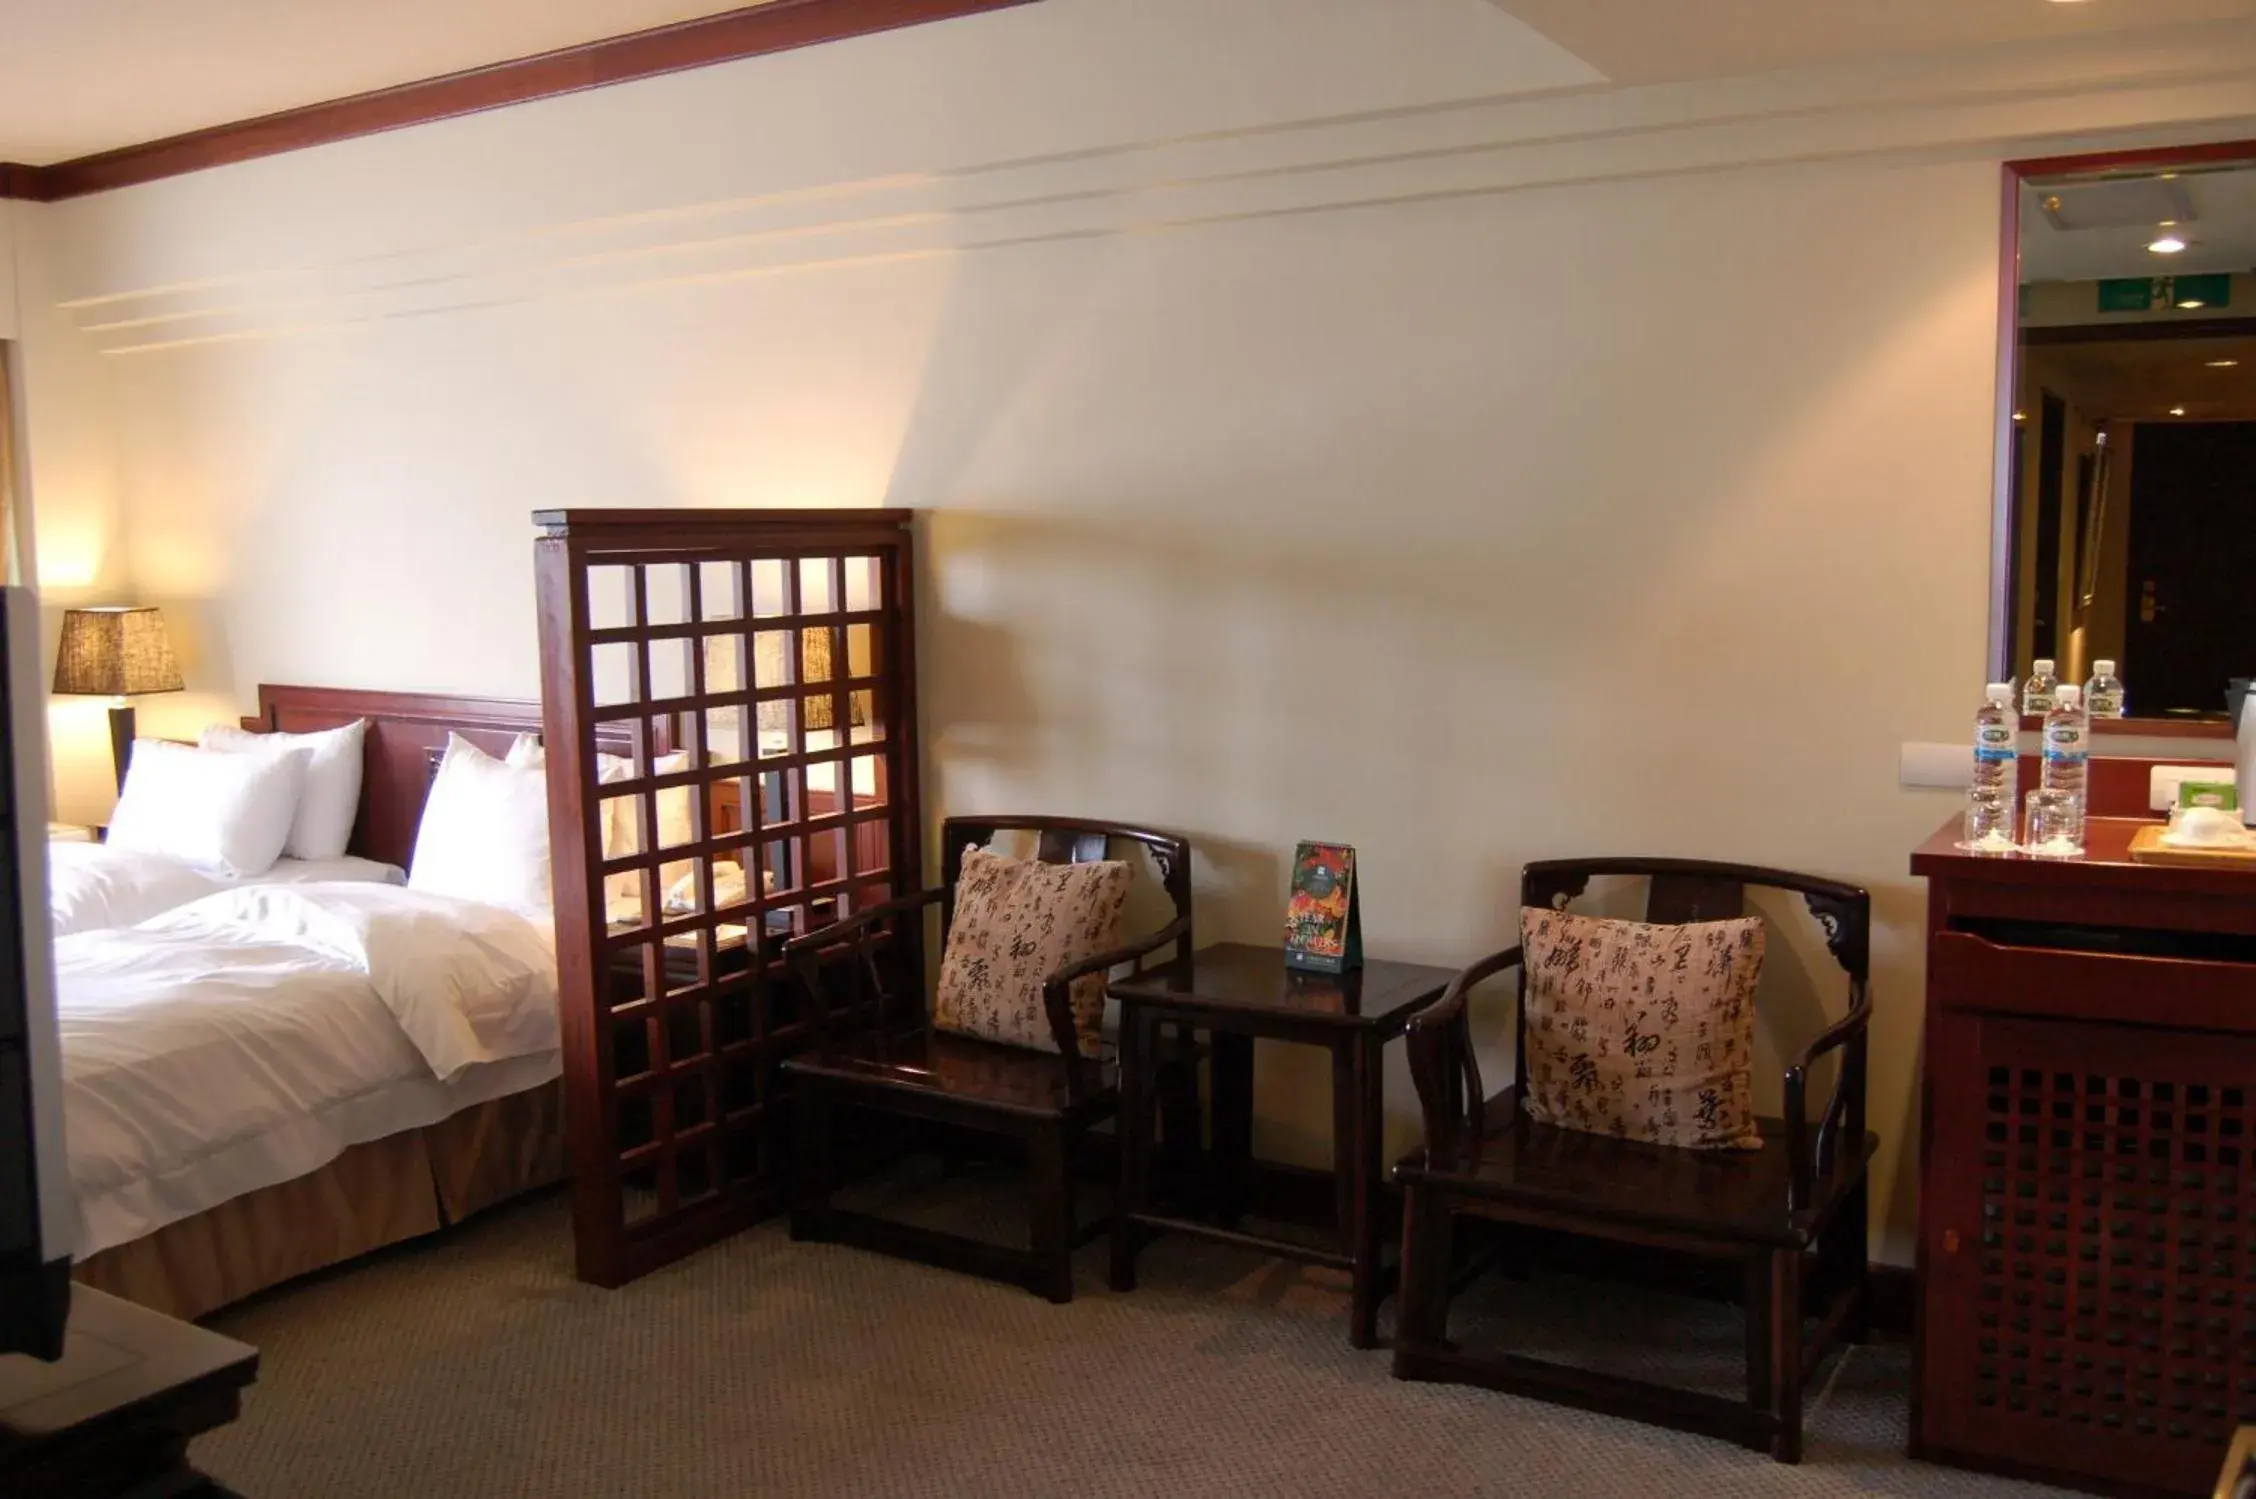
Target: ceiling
2142 380
82 76
1650 41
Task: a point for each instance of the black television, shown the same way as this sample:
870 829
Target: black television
37 1215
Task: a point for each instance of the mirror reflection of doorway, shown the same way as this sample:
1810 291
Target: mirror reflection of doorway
2192 535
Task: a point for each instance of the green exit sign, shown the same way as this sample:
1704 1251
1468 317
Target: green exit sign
2145 293
2201 291
2128 294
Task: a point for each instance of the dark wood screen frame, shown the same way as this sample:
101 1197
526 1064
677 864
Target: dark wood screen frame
752 31
2002 518
676 1022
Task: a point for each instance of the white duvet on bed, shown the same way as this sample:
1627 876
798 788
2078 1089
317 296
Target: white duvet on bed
92 885
253 1036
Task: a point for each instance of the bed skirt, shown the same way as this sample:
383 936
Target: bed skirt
384 1192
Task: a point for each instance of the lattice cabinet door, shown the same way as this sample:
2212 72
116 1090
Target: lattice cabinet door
2091 1282
729 711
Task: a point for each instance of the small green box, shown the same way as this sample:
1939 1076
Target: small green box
2223 795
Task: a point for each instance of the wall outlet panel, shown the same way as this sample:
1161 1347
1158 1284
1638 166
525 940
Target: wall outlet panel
1945 767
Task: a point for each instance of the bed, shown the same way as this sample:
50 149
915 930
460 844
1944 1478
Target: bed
285 1051
91 885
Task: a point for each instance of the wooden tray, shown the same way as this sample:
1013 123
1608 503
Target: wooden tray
2148 848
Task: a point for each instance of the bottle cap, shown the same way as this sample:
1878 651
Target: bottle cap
2069 696
2041 667
2103 668
1999 692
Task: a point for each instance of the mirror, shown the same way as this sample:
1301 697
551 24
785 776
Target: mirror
2129 515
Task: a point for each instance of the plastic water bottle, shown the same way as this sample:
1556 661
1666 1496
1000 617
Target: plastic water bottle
2037 692
2067 743
2103 694
1990 799
1997 739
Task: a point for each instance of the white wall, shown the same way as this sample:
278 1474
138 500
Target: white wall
1576 472
71 457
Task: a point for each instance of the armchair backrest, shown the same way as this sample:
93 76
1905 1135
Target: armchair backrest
1067 840
1677 891
878 952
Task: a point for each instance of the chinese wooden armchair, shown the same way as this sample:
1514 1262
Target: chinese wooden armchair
877 1050
1797 1206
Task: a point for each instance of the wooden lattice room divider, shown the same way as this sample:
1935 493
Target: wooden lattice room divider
761 664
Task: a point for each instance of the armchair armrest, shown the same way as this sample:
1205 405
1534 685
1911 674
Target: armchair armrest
1840 1032
1442 1064
1480 973
1134 951
805 953
1844 1111
1057 990
838 931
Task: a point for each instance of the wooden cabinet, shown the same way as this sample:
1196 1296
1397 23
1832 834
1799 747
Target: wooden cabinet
2087 1255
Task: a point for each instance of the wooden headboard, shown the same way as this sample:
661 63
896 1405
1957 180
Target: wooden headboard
407 732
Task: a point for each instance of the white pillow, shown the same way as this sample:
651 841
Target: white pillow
330 803
484 834
622 821
224 811
622 825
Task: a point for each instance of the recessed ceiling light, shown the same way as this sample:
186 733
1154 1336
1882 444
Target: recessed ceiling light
2224 364
2177 411
2168 244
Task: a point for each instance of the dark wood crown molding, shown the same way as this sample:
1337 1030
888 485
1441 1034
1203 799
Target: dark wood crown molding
2198 154
779 26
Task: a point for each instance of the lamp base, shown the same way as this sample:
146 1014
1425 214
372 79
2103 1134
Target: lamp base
121 740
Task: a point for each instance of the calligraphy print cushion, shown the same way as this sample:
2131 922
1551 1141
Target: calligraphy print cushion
1016 924
1642 1031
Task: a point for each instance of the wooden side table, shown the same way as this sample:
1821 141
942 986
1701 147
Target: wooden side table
1240 993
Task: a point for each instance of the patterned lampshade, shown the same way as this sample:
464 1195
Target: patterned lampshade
814 671
119 652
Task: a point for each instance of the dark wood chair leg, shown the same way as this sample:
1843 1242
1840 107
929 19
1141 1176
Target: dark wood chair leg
813 1148
1233 1126
1759 1350
1052 1214
1428 1276
1786 1353
1848 1260
1132 1193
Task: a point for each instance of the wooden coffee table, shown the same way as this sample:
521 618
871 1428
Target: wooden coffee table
1240 993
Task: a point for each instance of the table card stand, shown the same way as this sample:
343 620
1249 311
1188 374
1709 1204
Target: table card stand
1323 915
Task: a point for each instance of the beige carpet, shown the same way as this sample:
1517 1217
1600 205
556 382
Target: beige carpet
474 1365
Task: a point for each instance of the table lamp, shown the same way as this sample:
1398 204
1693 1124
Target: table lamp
116 653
